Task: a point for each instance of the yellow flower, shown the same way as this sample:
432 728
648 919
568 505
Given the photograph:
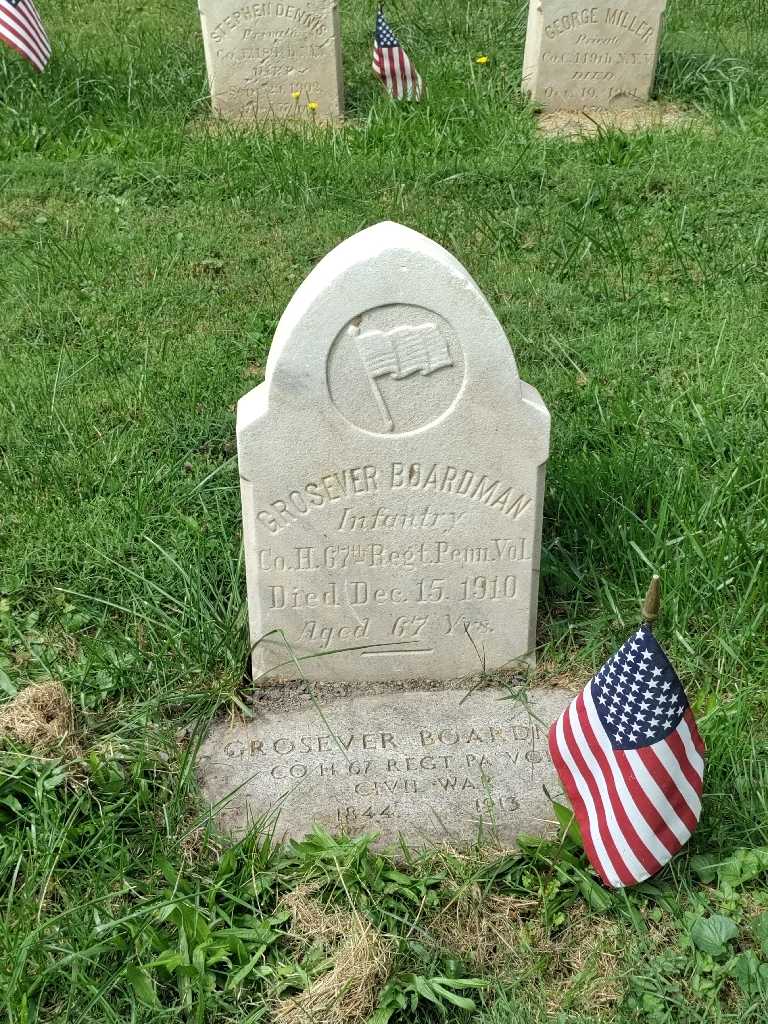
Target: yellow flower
312 105
295 94
482 59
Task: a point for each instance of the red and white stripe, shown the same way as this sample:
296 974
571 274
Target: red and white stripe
635 808
22 29
394 68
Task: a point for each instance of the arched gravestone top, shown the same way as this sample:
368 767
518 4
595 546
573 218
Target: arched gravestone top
392 468
598 56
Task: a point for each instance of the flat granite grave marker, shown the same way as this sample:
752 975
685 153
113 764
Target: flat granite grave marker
418 766
273 60
597 57
392 472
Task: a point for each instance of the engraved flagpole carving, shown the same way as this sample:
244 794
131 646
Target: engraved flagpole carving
399 354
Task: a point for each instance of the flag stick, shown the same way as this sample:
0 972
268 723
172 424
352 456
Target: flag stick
652 601
389 426
389 422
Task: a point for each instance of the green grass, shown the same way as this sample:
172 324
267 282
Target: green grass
146 260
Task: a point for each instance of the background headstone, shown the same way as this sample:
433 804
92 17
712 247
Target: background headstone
273 60
601 56
392 473
424 767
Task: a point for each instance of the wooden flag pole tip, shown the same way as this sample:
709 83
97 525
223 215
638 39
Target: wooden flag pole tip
652 601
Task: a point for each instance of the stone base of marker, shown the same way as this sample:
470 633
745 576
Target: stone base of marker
591 58
581 124
273 60
423 767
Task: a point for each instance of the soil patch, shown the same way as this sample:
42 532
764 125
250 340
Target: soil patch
586 124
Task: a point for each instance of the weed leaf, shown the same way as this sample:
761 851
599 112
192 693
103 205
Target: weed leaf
710 934
568 824
6 685
142 985
751 975
760 931
742 866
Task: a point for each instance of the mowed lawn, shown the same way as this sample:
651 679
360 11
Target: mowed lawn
147 255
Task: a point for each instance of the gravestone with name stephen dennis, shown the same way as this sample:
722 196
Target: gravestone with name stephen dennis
392 473
272 59
601 56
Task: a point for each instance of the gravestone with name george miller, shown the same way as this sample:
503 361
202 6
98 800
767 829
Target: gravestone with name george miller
392 473
272 59
598 57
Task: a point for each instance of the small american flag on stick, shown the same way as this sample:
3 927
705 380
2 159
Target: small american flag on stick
632 763
392 65
22 29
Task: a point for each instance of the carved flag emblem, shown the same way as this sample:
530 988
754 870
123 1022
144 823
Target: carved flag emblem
399 354
404 351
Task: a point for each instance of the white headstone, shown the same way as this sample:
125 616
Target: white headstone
392 473
273 60
598 57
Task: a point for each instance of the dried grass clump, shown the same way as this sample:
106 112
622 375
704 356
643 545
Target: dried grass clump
483 930
362 958
42 718
579 965
585 959
312 922
198 844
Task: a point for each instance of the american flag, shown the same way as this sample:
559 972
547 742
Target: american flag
632 763
21 28
392 65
